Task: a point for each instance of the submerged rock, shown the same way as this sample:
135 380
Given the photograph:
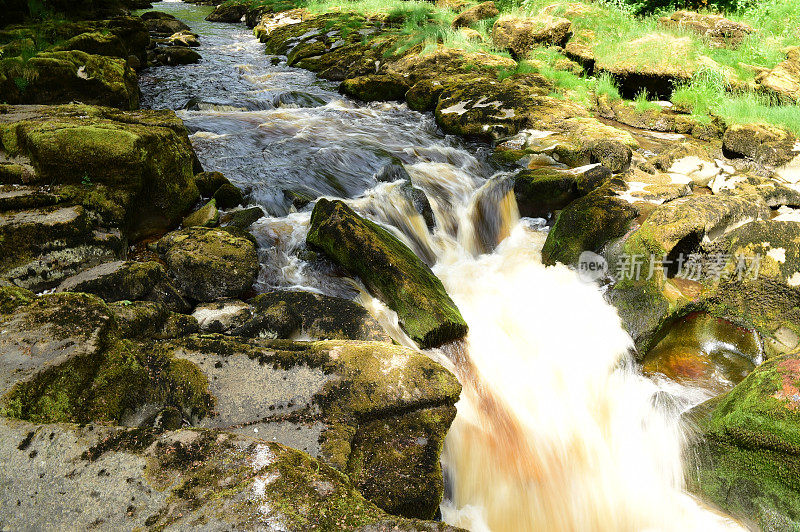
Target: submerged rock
390 270
210 264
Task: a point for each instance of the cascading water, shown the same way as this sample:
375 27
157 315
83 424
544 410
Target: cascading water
556 429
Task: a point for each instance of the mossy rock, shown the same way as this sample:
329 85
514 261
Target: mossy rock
210 264
375 88
209 182
285 313
243 218
66 76
587 224
227 196
97 43
137 164
543 191
745 460
128 281
763 143
390 270
205 216
178 479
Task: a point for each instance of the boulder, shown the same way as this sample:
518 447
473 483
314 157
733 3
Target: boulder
67 76
210 264
783 80
228 196
763 143
148 321
98 43
68 476
222 316
174 55
163 23
720 31
470 16
520 35
375 87
242 218
127 281
184 38
390 271
289 313
587 224
205 216
209 182
228 12
745 458
541 192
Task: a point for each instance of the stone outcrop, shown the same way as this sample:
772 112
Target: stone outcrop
521 35
720 31
783 80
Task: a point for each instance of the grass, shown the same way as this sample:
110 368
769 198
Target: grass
643 103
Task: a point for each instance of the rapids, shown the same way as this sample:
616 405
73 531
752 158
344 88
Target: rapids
556 428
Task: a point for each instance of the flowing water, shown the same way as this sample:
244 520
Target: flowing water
556 428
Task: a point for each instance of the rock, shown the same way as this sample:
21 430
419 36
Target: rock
184 38
222 316
205 216
163 23
242 218
520 35
471 35
67 76
287 314
375 87
720 31
784 79
745 458
175 480
96 43
228 12
209 182
210 264
446 65
541 192
131 170
612 154
228 196
587 224
389 270
148 321
763 143
127 281
175 55
470 16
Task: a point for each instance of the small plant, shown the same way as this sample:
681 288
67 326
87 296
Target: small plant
642 102
86 180
606 86
21 83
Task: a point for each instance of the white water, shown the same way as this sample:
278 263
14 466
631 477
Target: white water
556 429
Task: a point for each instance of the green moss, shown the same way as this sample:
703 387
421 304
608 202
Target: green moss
13 297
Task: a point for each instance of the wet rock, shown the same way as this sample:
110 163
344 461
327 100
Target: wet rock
127 281
763 143
209 182
174 55
184 38
67 76
210 264
613 154
520 35
242 218
228 12
286 314
744 460
390 270
175 480
784 79
587 224
205 216
720 31
297 99
375 88
470 16
149 320
163 23
228 196
541 192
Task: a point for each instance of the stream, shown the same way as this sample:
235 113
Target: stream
557 429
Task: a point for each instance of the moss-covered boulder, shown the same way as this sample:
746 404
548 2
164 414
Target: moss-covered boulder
334 400
210 264
127 281
242 218
745 459
135 168
163 23
205 216
783 81
228 196
67 76
720 31
470 16
763 143
287 313
175 480
173 55
375 87
520 35
543 191
228 12
390 270
587 224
